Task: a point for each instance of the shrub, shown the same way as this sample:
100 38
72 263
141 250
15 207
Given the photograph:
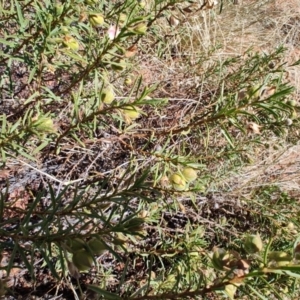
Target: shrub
103 155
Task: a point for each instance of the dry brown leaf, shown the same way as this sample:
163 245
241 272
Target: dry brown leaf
131 51
4 174
269 91
18 200
253 127
173 21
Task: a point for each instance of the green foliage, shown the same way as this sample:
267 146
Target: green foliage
65 89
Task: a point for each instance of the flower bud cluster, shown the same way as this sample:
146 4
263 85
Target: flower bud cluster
179 180
83 251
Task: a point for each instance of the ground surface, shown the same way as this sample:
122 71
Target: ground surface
21 180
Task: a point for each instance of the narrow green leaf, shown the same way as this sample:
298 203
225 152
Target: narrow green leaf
3 156
3 125
40 147
227 137
78 140
123 276
13 254
19 12
28 265
21 152
255 291
265 255
295 268
141 179
75 56
3 196
107 295
50 265
32 74
40 17
15 126
292 274
154 101
7 43
195 165
29 211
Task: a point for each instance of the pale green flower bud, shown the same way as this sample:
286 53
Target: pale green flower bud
253 244
189 174
71 43
97 246
43 124
131 113
74 245
107 96
220 258
140 28
83 260
96 19
178 182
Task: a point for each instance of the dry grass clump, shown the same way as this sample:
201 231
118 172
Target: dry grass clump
276 23
258 25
